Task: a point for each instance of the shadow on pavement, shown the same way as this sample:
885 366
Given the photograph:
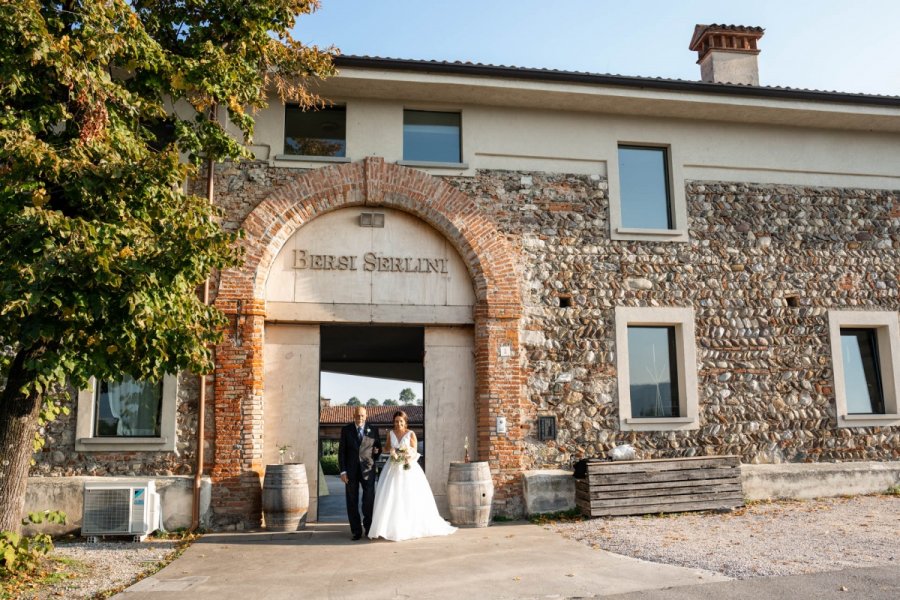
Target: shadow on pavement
311 534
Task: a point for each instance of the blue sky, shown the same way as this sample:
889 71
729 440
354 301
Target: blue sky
340 388
848 46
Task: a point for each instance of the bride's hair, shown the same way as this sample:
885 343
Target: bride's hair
400 413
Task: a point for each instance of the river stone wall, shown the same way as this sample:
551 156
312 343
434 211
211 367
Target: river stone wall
58 457
764 265
764 366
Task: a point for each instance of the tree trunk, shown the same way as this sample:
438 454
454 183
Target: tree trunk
18 422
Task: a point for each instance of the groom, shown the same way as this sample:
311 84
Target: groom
360 445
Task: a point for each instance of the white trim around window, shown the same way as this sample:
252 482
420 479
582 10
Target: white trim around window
886 326
677 201
86 441
682 320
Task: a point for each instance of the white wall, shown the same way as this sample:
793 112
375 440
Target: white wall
360 295
291 401
547 139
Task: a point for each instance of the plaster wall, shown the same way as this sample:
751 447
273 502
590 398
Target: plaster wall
444 282
449 404
291 400
67 494
585 143
730 67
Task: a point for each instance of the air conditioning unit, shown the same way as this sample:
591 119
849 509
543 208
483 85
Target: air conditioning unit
120 508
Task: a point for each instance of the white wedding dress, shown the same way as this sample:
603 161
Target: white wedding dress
404 505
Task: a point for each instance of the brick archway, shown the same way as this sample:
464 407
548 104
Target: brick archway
491 263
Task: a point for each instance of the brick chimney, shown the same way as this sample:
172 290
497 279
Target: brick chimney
727 53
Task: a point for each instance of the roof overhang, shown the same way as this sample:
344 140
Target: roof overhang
466 84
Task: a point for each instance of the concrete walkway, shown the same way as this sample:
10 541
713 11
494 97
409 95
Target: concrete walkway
871 583
513 560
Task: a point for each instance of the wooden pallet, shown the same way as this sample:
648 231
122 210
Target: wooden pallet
637 487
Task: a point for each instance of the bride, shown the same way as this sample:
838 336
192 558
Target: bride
404 504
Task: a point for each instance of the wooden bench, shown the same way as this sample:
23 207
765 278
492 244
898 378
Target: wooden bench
637 487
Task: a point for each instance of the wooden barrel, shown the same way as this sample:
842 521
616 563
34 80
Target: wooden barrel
285 497
470 491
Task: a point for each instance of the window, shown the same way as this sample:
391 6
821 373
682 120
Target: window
321 132
862 377
644 188
865 348
653 371
127 408
127 415
657 368
431 137
645 202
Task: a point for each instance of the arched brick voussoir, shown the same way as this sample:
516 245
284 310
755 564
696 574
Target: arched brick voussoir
487 254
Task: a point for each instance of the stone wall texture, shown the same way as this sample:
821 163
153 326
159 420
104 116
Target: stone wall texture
764 366
764 362
58 458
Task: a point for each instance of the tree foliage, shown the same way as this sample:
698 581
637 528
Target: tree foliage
231 53
101 250
373 402
354 401
407 396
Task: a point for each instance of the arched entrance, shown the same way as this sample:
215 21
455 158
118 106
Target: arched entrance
240 451
373 296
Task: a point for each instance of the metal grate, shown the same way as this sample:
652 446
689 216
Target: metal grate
106 511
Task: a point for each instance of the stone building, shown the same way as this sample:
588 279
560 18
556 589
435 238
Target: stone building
567 261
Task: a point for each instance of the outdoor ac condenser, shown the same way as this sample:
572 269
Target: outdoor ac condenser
120 508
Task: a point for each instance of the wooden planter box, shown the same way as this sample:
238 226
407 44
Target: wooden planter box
637 487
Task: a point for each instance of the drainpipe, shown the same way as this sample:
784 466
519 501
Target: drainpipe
201 408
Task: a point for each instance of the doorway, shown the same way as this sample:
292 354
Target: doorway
439 358
379 367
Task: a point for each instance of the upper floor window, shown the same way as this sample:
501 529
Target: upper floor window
431 136
646 194
645 198
128 408
865 349
321 132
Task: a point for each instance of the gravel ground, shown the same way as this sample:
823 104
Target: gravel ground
109 565
778 538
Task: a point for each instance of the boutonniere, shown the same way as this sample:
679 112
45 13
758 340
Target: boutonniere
367 431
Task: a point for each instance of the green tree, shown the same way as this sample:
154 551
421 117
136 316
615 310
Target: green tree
354 401
390 402
407 397
101 251
373 402
230 54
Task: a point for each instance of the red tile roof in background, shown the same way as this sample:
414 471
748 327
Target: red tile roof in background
377 415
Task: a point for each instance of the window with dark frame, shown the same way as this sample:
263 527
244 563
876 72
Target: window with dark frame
645 200
862 371
653 371
430 136
128 408
321 132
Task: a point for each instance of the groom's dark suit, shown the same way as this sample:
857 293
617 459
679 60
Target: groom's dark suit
356 458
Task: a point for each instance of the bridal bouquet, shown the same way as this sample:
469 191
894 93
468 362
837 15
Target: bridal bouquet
400 456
